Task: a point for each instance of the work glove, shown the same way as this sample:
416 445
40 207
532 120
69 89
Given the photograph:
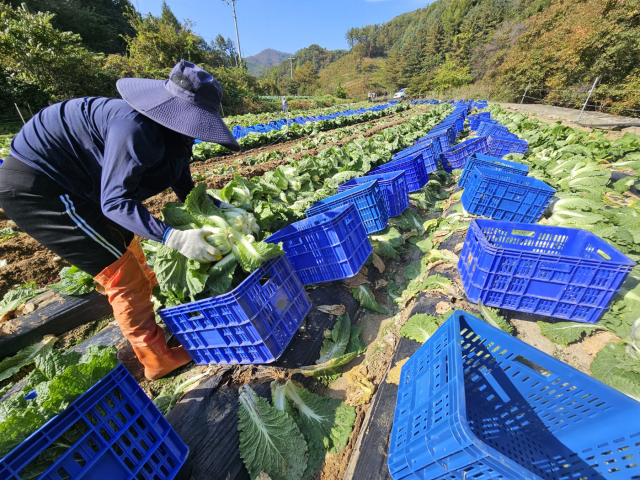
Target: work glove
192 244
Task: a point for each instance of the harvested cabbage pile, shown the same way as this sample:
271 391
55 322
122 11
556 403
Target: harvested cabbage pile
233 233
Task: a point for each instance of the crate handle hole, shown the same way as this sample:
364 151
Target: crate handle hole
64 475
195 314
79 460
603 254
524 233
533 366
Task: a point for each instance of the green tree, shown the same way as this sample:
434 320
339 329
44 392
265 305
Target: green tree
450 75
156 48
100 23
34 53
340 92
168 17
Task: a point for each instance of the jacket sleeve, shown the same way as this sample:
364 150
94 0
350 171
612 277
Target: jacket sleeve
184 184
131 147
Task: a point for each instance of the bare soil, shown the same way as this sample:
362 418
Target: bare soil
27 261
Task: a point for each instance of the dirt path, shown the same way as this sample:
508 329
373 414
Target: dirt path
568 117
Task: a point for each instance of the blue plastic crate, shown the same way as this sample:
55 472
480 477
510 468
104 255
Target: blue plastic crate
506 196
413 167
252 324
492 127
120 434
394 186
329 246
456 121
501 146
428 151
474 120
476 403
457 156
445 136
479 160
560 272
368 199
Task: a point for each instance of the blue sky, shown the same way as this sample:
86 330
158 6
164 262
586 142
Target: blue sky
285 25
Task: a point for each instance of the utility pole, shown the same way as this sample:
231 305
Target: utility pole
292 59
588 97
525 93
235 20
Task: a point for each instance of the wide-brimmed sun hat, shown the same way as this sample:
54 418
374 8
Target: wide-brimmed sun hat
187 103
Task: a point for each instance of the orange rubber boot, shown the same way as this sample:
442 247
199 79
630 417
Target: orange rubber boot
136 249
129 293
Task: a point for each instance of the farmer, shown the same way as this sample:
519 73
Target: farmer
285 106
77 175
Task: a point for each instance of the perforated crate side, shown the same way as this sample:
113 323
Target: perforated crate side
413 167
501 146
369 201
487 128
503 409
479 160
474 120
394 186
252 324
506 196
545 270
117 434
326 247
429 151
456 157
444 136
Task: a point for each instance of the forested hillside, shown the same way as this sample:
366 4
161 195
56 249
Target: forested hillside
557 47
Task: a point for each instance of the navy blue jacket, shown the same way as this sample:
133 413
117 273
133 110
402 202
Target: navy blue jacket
105 151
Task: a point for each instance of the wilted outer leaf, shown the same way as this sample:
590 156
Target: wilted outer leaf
364 295
492 317
615 367
337 344
322 368
565 333
444 255
270 441
420 327
26 356
326 418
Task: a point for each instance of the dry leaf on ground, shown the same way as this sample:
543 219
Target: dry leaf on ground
355 282
381 283
378 263
333 309
458 247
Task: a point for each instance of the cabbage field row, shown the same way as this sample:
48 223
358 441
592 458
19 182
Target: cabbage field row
256 118
205 150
